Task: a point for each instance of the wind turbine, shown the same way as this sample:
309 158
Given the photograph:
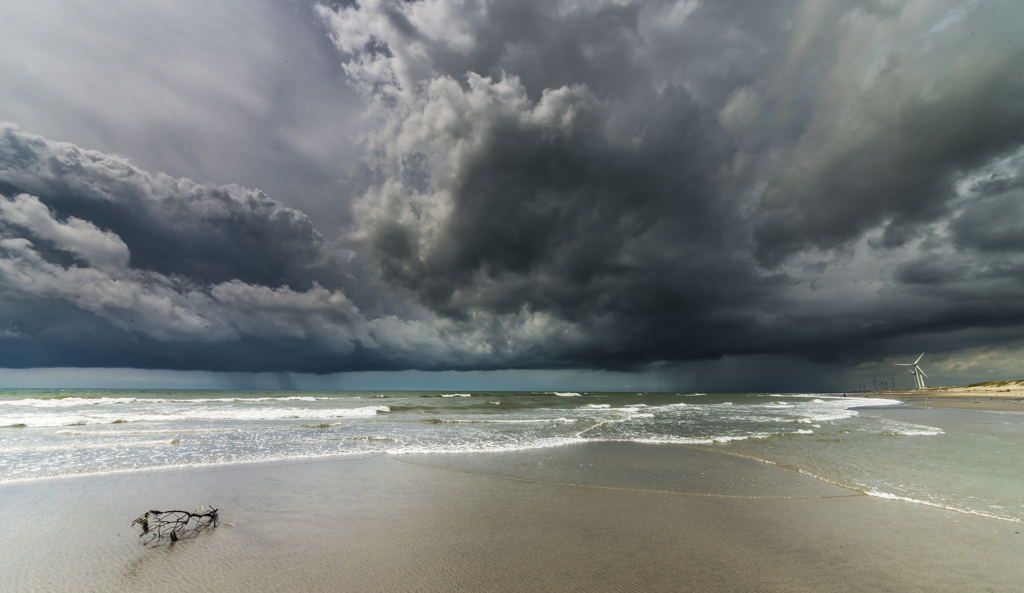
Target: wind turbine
916 371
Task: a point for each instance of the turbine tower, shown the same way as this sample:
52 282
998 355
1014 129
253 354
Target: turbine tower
916 371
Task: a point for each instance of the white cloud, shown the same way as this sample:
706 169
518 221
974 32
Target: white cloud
163 307
102 250
391 45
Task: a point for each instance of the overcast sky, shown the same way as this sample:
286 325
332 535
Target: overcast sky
749 195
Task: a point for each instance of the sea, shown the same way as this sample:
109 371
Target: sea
969 462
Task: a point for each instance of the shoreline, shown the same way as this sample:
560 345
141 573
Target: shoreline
985 400
608 516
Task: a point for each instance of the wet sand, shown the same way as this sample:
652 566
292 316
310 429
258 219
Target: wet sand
591 517
957 399
970 403
1000 396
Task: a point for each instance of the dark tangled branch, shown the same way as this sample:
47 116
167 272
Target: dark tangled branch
155 526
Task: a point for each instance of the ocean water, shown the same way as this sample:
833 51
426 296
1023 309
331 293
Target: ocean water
964 461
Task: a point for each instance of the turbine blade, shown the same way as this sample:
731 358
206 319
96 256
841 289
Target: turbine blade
922 372
903 364
919 358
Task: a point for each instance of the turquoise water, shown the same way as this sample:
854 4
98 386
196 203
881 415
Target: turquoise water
966 461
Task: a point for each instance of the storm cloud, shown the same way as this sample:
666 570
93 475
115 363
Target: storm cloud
595 185
90 241
687 180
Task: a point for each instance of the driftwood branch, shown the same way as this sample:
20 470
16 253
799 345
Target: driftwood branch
155 526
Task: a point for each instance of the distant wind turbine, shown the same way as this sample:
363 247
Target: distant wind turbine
916 371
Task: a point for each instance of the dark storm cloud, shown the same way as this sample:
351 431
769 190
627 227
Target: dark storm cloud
909 136
994 222
104 264
171 226
617 183
598 234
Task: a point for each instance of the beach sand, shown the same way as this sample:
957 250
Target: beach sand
997 396
590 517
958 398
969 403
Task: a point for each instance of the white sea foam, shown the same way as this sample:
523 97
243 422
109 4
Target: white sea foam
671 406
677 440
484 447
597 406
68 402
456 395
80 446
870 401
907 429
923 431
566 394
174 466
176 414
241 400
503 421
957 509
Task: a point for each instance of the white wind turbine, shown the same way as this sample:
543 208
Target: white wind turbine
916 371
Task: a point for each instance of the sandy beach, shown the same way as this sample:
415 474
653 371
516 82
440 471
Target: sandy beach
1000 396
590 517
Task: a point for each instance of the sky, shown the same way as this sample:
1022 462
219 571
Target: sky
763 195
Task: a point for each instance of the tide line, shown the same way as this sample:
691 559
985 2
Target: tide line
622 489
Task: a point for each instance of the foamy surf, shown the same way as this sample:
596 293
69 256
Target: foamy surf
69 402
192 414
956 509
46 434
